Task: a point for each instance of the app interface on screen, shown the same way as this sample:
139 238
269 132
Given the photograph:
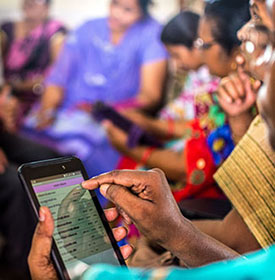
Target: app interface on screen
79 232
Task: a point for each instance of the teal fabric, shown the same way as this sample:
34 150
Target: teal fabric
257 266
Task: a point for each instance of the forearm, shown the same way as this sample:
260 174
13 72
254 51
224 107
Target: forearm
170 162
27 85
52 98
152 81
239 125
147 101
210 227
167 129
231 231
195 248
157 127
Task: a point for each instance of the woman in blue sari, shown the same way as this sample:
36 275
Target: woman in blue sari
119 60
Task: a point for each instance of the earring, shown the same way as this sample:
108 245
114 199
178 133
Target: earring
234 66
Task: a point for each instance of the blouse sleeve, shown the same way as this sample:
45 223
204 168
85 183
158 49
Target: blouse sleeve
152 49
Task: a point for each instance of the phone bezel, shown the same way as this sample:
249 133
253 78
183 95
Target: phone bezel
46 168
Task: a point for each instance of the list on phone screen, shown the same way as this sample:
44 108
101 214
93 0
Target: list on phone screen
79 232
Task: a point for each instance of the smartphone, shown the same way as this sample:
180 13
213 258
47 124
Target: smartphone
102 111
82 236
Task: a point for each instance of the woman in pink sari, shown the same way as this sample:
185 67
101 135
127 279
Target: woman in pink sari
29 47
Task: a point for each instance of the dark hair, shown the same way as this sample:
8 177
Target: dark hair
181 30
144 5
229 16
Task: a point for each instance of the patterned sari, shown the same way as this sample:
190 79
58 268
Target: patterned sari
205 144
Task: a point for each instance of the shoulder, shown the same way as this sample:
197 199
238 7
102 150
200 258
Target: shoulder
7 33
84 34
202 77
92 25
149 30
150 24
203 74
7 26
247 179
55 23
54 26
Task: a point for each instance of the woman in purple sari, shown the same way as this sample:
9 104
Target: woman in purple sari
29 48
119 60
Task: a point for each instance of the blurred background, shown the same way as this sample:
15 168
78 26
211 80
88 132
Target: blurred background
73 12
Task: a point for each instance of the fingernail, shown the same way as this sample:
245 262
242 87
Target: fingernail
42 216
83 185
122 231
104 189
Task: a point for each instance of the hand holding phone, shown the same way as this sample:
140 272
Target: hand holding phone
136 135
82 236
40 263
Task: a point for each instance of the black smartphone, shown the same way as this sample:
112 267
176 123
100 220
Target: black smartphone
82 236
102 111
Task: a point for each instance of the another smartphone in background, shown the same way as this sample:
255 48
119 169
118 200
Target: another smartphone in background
138 136
82 236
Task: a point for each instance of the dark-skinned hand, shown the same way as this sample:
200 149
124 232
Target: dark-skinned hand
39 260
147 199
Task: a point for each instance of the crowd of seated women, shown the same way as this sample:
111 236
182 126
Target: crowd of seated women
209 138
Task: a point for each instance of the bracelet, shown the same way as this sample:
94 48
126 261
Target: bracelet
146 155
171 128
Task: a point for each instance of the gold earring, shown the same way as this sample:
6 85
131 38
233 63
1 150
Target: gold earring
234 66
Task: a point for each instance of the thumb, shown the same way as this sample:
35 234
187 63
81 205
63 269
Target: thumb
42 239
257 85
240 60
109 127
240 64
107 124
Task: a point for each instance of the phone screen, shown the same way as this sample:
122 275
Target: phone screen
79 233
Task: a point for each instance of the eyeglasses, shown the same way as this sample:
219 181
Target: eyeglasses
201 45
